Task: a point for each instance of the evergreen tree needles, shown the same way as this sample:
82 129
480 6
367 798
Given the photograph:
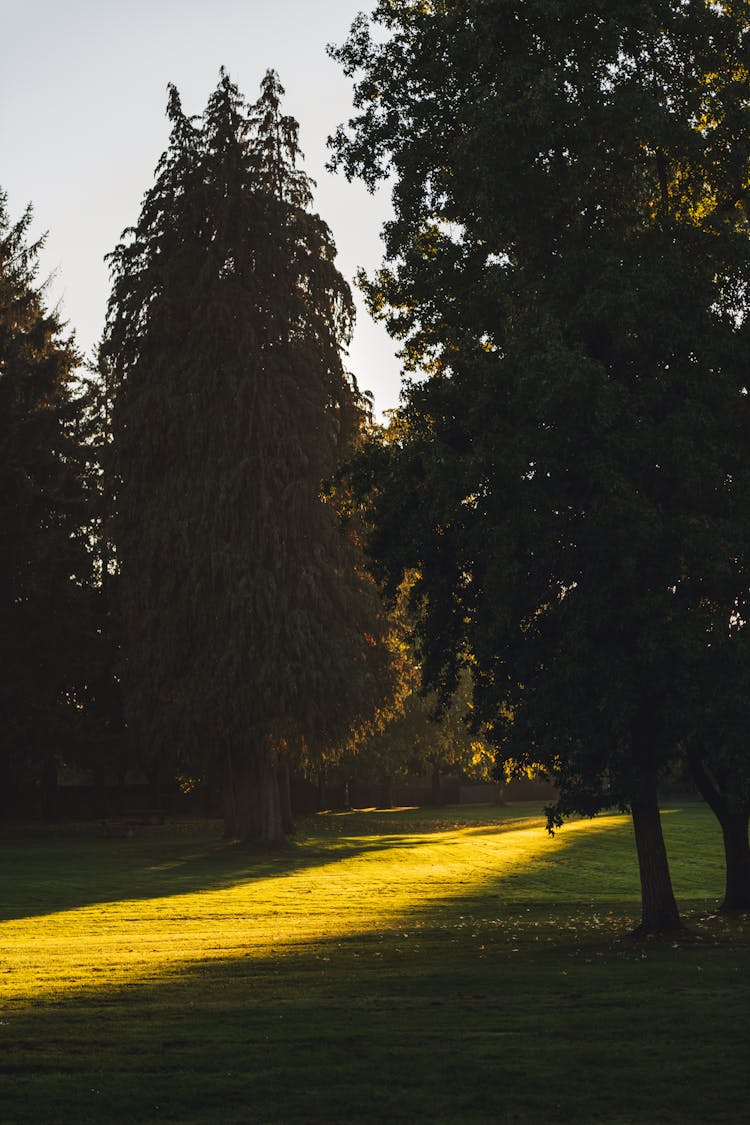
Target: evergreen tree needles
251 635
46 627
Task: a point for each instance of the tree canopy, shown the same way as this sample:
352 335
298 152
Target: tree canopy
251 630
568 269
45 618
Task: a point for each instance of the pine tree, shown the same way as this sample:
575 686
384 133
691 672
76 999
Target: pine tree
250 631
103 748
44 560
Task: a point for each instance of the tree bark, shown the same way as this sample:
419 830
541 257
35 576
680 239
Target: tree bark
154 785
252 801
322 790
229 798
733 818
737 855
436 786
386 792
659 913
101 804
285 794
50 809
8 791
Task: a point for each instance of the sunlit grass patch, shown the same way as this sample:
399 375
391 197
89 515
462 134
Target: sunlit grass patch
378 969
252 905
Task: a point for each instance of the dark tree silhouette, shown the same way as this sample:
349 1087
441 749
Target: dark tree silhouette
45 620
251 632
569 265
718 752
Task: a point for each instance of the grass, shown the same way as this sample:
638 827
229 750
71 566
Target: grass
410 966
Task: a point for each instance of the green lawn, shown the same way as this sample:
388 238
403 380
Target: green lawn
410 966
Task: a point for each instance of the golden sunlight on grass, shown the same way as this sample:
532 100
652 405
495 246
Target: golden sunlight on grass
355 885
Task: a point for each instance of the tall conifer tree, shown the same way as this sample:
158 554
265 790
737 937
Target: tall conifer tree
44 561
250 633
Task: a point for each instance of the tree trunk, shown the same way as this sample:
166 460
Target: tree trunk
252 802
50 810
659 913
285 795
101 804
229 799
321 790
734 826
737 855
8 792
386 792
155 795
435 785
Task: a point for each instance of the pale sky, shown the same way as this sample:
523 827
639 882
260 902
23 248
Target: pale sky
83 90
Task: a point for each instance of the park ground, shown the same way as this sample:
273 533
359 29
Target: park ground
454 965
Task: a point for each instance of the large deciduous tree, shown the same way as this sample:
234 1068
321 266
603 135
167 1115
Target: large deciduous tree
568 269
251 632
45 619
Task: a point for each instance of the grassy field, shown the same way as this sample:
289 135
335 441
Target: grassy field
452 965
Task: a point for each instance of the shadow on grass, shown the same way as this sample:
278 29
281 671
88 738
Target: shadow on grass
453 1015
43 879
52 872
506 1000
49 869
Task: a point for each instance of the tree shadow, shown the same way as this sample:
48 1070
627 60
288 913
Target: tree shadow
57 870
438 1019
448 1011
46 874
52 868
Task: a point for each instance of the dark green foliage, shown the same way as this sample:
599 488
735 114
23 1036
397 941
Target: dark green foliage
104 749
569 261
244 615
45 620
420 740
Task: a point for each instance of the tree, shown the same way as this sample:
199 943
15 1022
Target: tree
420 734
45 619
717 752
568 264
251 631
103 748
417 738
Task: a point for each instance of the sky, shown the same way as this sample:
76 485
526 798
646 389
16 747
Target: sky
83 91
